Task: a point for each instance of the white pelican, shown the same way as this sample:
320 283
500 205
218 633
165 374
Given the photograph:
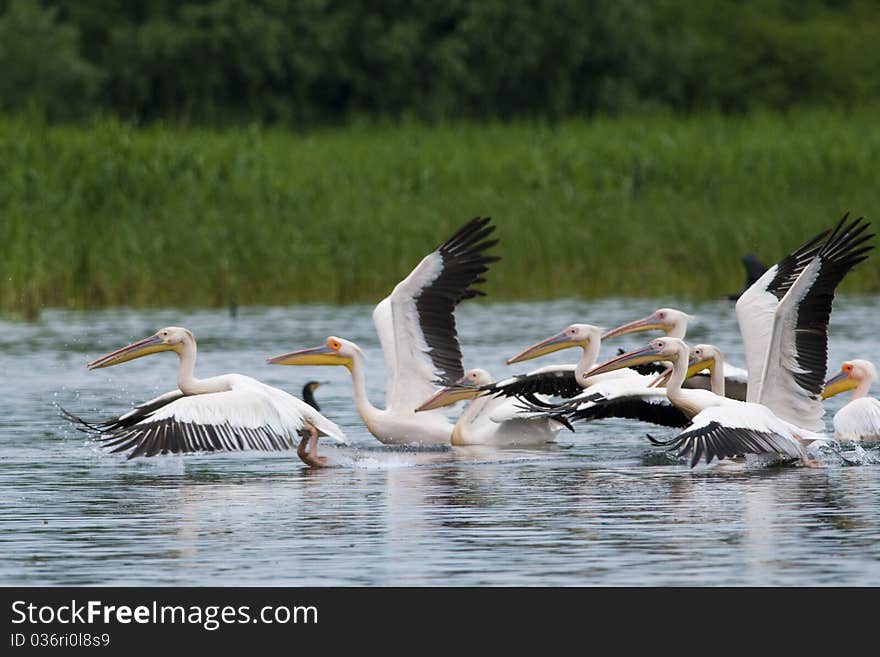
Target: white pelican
491 420
720 427
784 317
230 412
860 418
416 328
561 380
703 357
674 324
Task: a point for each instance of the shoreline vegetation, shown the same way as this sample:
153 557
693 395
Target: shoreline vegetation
105 213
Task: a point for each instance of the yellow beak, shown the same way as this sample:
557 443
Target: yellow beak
447 396
645 324
548 346
151 345
694 367
322 355
837 384
661 379
641 356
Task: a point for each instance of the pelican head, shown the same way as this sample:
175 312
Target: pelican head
170 338
703 357
661 349
700 357
575 335
467 387
852 374
669 320
334 351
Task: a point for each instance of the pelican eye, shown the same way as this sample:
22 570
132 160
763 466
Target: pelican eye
334 345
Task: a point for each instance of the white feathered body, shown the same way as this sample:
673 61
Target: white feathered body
490 420
246 408
858 420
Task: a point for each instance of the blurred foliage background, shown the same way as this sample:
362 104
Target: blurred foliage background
302 62
274 151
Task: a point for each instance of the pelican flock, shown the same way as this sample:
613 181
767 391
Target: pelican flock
772 409
783 318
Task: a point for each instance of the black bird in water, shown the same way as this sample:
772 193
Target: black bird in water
754 271
308 395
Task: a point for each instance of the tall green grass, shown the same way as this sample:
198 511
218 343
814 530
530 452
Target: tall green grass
109 214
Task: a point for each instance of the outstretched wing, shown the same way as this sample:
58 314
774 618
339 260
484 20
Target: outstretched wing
553 381
797 357
647 405
127 420
757 305
246 417
421 323
620 398
385 329
718 433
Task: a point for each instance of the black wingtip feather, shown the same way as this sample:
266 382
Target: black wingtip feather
845 247
716 441
464 263
553 383
86 426
633 408
656 441
141 436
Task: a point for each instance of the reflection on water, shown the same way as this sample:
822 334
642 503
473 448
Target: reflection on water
600 507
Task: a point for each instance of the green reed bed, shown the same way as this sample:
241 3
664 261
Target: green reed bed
108 213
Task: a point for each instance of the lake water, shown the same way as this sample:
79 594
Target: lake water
602 506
